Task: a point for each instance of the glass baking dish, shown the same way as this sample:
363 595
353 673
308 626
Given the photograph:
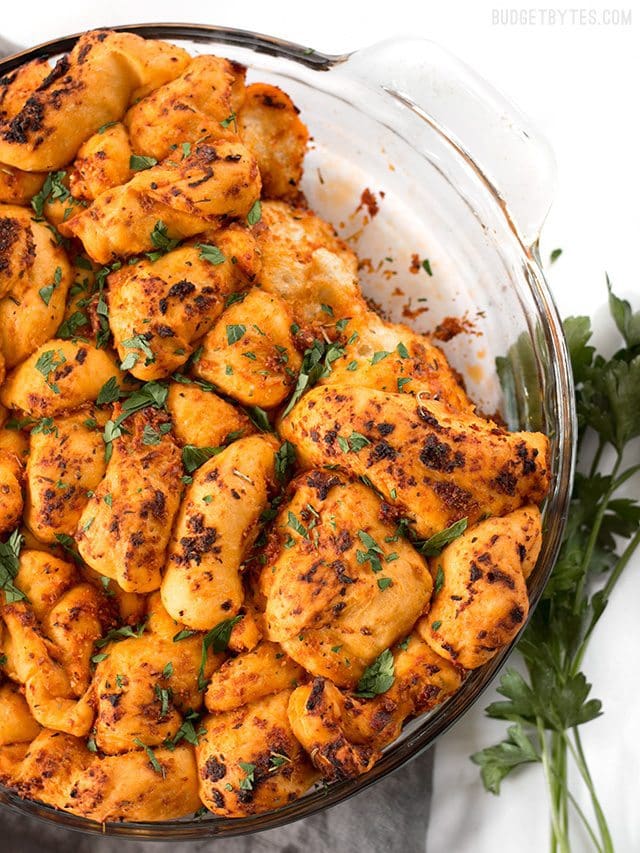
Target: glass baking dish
460 178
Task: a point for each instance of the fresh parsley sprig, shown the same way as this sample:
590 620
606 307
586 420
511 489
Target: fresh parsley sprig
546 706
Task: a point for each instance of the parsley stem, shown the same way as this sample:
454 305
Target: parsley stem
579 812
593 537
585 822
559 758
559 840
606 593
579 758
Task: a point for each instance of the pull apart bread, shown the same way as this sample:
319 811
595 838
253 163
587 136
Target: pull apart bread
248 526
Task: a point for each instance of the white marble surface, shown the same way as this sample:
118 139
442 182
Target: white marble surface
574 80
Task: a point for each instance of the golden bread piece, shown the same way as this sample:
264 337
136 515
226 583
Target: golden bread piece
431 464
249 760
338 591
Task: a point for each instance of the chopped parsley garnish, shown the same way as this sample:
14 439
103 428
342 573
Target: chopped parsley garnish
69 546
47 292
68 328
218 638
187 731
357 441
372 554
153 761
378 677
137 342
237 296
260 418
193 457
210 253
53 189
183 634
164 695
230 119
161 240
46 426
439 581
402 351
109 393
9 565
402 381
385 583
235 332
152 436
426 266
47 364
255 214
123 633
246 783
316 363
138 163
436 625
295 524
276 760
433 546
378 356
285 459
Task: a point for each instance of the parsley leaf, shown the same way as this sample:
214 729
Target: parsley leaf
317 363
255 214
235 332
230 119
246 783
433 546
193 457
218 638
260 418
372 554
498 761
285 460
141 343
377 677
47 292
123 633
161 240
68 328
138 163
109 393
153 761
295 524
210 253
9 565
47 364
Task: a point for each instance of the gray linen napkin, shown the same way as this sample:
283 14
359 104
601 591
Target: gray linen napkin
391 816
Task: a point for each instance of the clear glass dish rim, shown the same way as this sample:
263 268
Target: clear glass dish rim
557 504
